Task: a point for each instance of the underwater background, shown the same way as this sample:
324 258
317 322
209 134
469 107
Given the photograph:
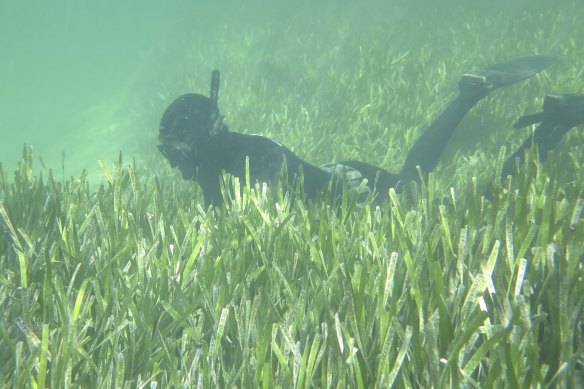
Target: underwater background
121 277
84 81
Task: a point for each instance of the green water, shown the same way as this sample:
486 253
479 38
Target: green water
85 81
135 283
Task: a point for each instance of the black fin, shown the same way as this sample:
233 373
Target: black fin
528 120
510 72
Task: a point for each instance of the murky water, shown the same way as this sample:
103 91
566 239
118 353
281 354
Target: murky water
88 80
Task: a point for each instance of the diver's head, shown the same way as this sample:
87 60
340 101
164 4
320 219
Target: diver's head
188 123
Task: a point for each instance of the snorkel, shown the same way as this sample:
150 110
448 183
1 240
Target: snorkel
214 95
217 126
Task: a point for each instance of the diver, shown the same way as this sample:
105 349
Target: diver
194 138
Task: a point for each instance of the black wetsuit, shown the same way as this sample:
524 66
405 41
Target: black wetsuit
195 140
228 152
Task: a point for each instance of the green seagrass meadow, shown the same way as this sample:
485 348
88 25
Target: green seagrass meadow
473 280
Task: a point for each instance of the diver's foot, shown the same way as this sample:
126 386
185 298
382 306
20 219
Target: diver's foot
565 108
483 81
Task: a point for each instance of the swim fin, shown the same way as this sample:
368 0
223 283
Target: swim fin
566 108
507 73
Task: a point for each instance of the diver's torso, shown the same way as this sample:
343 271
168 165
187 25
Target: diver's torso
228 152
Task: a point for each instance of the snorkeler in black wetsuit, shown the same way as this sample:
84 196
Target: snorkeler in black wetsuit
194 138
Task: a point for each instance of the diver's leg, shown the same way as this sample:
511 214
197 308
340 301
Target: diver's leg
545 141
473 87
428 148
560 113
